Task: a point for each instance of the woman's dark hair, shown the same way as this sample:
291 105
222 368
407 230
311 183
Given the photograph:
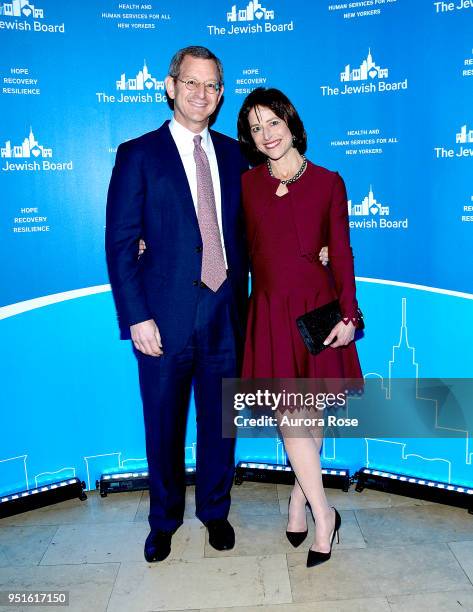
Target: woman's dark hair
282 107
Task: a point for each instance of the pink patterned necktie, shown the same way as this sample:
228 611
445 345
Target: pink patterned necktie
213 262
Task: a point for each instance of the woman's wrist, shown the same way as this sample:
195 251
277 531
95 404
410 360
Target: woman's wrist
355 317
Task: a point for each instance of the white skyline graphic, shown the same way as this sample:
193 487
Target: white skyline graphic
20 8
404 355
281 455
380 451
253 11
402 351
143 80
367 69
402 456
28 148
368 206
18 473
105 462
464 136
49 475
113 462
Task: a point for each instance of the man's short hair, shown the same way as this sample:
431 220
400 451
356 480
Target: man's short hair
194 51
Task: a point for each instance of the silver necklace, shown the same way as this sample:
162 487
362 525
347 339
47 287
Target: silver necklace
296 176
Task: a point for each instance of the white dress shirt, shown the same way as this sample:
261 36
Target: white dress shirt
184 140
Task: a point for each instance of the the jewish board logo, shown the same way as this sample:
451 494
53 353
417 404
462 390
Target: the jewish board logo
449 7
371 214
25 17
367 70
30 155
366 78
254 18
143 87
464 135
253 11
464 148
21 8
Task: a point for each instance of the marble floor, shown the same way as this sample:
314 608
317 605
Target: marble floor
395 554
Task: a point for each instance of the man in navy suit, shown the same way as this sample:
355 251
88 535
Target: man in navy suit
183 302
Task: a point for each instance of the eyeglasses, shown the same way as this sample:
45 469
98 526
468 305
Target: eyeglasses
211 87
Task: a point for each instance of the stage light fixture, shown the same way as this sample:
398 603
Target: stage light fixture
44 495
117 482
411 486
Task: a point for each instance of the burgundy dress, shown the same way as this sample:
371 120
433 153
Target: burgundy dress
285 235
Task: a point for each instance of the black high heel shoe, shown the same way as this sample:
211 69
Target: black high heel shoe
316 557
295 537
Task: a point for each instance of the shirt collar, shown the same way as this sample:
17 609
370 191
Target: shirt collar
184 137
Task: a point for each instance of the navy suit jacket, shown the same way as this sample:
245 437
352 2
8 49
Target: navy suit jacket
149 197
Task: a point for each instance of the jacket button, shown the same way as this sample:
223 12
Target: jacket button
198 249
202 284
195 283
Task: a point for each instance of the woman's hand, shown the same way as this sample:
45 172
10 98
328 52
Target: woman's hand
323 255
343 333
141 247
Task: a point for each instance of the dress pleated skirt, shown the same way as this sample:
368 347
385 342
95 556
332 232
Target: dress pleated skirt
274 347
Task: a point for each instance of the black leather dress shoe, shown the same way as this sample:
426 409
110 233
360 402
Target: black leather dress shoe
221 534
158 545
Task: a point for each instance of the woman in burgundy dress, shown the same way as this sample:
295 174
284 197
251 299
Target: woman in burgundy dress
292 208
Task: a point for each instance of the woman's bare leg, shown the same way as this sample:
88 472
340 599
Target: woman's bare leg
297 520
304 455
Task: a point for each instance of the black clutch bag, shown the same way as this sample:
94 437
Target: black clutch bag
317 324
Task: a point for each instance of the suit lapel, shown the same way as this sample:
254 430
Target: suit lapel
174 168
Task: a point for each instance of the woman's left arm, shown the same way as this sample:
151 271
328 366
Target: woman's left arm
341 263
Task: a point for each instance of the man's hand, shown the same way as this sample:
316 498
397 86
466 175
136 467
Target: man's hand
146 338
344 334
323 255
142 247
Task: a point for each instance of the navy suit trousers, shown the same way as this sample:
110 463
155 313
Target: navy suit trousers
166 382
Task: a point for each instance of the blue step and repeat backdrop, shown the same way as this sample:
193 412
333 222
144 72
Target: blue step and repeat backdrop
385 90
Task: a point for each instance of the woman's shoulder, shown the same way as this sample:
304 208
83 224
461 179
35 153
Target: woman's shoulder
322 173
254 175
